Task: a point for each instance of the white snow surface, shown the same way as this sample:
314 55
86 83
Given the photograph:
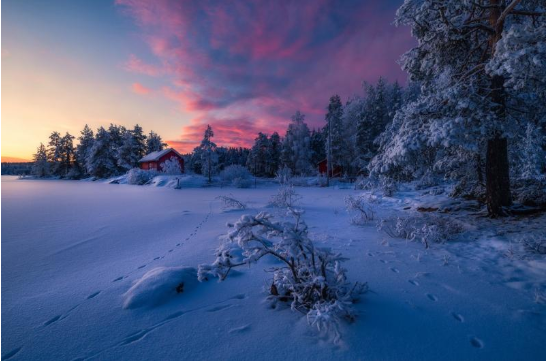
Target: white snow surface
75 253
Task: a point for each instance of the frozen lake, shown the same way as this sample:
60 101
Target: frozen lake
70 250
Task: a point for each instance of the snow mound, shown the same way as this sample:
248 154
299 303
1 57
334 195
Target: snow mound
159 286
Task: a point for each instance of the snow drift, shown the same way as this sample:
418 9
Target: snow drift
159 286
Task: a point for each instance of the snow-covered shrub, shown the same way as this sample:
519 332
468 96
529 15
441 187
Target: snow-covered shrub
171 166
231 203
534 242
388 186
362 206
469 190
310 278
237 176
159 285
428 180
530 192
139 176
286 197
426 229
283 176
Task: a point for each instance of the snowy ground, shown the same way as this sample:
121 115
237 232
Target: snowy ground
70 250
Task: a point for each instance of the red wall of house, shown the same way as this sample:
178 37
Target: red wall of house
156 165
169 156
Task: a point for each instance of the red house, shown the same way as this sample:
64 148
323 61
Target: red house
154 160
323 168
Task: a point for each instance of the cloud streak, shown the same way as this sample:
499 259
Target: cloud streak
246 67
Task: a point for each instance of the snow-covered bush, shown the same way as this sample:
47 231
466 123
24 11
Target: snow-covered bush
237 176
283 175
530 192
310 278
231 203
387 186
534 243
426 229
362 206
139 176
171 166
286 197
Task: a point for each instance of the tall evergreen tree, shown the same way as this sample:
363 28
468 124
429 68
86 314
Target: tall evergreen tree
208 156
40 167
54 152
101 161
296 152
86 140
257 161
273 155
154 143
334 133
66 153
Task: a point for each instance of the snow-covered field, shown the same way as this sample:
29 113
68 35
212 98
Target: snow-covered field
71 250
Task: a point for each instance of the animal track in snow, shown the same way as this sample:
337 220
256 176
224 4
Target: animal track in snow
52 320
93 295
476 342
219 308
432 297
458 317
12 353
370 254
118 279
240 329
240 296
414 282
395 270
142 266
383 261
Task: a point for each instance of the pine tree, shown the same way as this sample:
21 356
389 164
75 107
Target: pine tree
66 153
477 98
208 156
132 148
41 165
334 133
101 161
296 152
54 152
154 143
86 140
317 146
257 161
273 155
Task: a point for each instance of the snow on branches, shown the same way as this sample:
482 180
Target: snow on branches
310 278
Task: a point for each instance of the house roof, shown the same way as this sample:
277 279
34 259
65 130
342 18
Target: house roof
154 156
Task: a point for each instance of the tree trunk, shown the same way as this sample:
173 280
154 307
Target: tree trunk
497 171
497 177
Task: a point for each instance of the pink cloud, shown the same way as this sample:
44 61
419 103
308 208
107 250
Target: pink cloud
135 65
138 88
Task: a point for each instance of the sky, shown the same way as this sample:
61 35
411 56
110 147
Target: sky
175 66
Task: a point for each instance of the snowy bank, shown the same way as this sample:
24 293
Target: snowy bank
159 286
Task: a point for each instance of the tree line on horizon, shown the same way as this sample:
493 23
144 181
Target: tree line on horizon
106 153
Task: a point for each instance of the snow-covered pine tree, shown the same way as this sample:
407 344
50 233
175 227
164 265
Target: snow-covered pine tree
86 140
54 152
296 153
171 166
132 149
334 133
376 116
40 167
353 112
209 158
101 161
317 145
467 100
273 155
67 153
154 143
257 161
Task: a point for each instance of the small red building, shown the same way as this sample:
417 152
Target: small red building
323 168
154 160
